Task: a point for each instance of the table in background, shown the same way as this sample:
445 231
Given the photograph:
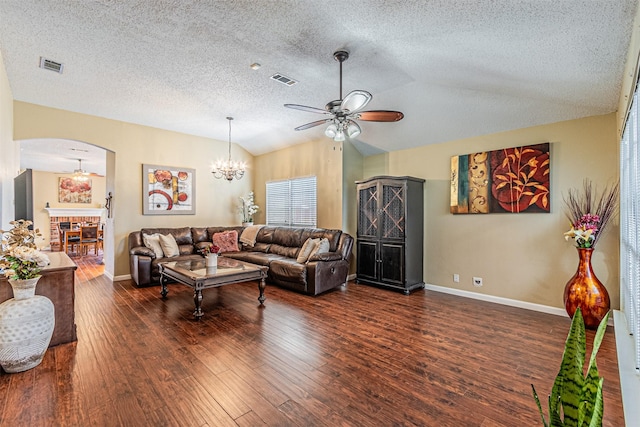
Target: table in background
67 233
58 284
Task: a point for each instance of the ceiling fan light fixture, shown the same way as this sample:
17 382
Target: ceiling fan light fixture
339 136
353 130
331 130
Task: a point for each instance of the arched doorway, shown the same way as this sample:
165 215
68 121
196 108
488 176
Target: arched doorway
54 158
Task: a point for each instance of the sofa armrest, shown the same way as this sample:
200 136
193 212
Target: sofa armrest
142 250
140 268
327 256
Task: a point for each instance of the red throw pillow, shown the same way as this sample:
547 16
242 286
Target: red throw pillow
227 241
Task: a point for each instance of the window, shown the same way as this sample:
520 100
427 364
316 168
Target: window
629 223
292 203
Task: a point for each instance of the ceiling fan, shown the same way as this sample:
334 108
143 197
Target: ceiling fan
80 174
346 111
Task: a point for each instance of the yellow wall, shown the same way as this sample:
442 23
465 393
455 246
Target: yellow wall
519 256
9 160
45 189
322 158
352 169
134 145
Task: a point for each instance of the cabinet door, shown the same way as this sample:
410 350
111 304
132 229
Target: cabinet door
392 265
367 260
368 212
392 211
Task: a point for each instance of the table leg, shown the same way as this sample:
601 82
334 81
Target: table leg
261 287
163 284
197 298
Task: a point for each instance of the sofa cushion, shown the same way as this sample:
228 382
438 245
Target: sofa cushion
288 270
152 241
227 241
320 248
290 237
199 235
259 258
169 245
287 251
182 234
308 247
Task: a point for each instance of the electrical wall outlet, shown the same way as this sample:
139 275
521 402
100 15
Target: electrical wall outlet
477 281
456 278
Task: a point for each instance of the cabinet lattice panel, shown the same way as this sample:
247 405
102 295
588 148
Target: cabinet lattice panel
367 215
392 212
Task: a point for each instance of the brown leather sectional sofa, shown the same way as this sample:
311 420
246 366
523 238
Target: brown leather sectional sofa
275 247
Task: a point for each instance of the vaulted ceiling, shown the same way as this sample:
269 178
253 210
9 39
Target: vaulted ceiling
456 68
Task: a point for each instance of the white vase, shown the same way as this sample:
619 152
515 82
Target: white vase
26 326
247 224
212 260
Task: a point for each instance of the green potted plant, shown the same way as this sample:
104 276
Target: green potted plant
576 400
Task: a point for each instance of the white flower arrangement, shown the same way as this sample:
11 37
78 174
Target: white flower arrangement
19 255
247 208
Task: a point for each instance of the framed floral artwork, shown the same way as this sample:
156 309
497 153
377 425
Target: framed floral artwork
511 180
168 190
74 190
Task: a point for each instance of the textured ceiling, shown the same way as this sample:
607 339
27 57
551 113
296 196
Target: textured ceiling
456 68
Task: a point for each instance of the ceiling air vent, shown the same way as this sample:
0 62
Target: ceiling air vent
283 79
48 64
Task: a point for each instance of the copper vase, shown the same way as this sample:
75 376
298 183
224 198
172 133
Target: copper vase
584 290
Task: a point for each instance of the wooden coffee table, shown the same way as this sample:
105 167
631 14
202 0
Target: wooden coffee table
195 274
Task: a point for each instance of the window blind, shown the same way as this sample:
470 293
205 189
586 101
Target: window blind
292 203
629 223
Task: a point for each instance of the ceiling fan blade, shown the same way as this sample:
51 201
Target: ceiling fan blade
355 100
306 108
379 116
313 124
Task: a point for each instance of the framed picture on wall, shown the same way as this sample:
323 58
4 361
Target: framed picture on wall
72 190
510 180
168 190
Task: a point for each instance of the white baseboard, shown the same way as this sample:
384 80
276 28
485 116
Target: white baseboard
121 278
499 300
504 301
351 277
108 275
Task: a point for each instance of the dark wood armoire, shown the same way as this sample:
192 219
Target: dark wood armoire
390 232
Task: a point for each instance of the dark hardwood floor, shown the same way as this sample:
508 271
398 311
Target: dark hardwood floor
357 356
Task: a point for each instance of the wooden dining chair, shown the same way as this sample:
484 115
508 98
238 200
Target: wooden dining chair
70 241
88 237
55 241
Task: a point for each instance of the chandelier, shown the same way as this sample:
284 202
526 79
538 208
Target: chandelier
80 174
228 169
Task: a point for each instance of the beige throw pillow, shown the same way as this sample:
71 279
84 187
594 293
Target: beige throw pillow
169 245
307 248
322 247
152 241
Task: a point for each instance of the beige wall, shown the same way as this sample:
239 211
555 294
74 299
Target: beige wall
322 158
9 161
45 189
134 145
352 169
519 256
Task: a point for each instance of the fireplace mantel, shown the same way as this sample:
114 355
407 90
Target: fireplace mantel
56 212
